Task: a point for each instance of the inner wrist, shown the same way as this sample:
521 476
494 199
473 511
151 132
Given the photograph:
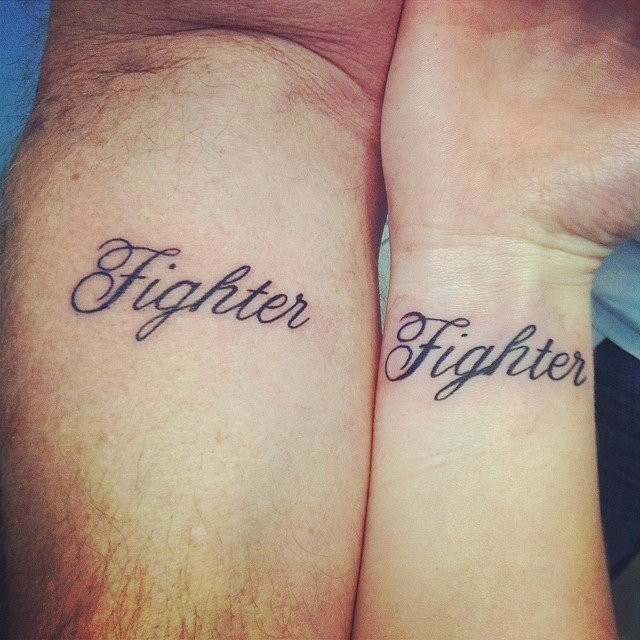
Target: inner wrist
490 268
462 338
500 286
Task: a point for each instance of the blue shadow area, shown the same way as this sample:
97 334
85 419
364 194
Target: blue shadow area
23 26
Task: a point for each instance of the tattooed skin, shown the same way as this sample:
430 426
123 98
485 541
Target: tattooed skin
423 342
124 270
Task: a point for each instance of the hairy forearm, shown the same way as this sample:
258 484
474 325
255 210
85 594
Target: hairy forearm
485 448
189 402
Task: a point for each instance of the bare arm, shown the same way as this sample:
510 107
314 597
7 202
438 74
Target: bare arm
510 139
190 326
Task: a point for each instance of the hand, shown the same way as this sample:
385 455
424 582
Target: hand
519 119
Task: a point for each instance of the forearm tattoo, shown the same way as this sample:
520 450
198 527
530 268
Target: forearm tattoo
125 270
425 342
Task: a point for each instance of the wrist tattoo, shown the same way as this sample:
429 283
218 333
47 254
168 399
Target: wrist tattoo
125 268
419 336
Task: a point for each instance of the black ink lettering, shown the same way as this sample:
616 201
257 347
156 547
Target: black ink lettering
122 267
408 367
138 302
559 361
517 358
579 364
545 351
302 304
253 294
106 268
226 284
276 302
167 311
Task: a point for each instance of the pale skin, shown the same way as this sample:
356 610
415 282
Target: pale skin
510 146
211 480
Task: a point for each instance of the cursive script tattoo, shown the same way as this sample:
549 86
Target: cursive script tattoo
420 336
127 269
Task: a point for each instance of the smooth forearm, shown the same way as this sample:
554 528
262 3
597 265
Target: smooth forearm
485 417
